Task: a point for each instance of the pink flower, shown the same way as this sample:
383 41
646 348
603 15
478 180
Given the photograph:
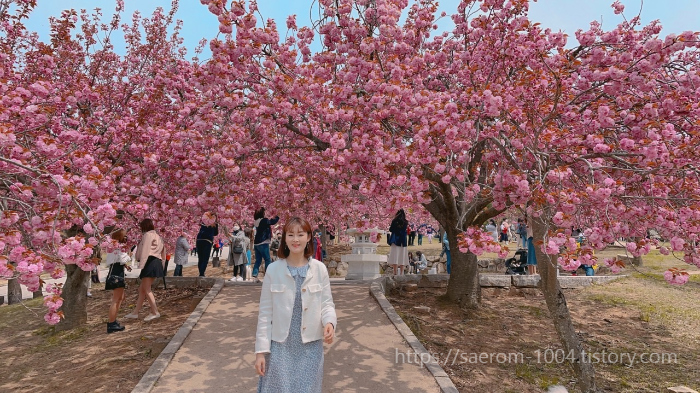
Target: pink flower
52 318
569 264
373 237
618 7
292 22
208 219
677 243
676 277
551 248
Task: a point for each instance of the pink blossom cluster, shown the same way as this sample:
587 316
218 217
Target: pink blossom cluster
477 242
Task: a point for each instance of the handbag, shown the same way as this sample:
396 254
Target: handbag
238 249
391 239
114 281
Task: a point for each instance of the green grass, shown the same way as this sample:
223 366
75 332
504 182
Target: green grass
9 314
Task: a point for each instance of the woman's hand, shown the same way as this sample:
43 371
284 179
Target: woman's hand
128 268
260 364
328 333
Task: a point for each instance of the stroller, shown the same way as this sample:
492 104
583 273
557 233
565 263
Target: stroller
516 265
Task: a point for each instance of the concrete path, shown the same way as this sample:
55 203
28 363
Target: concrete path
218 354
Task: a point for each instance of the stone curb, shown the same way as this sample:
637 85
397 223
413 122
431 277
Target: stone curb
154 372
376 289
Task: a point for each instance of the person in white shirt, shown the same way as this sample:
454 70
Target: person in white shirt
117 261
296 313
151 256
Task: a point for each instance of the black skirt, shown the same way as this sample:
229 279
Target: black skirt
153 268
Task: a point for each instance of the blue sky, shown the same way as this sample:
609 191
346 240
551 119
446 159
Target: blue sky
566 15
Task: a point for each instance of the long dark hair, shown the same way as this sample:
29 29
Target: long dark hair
283 251
400 219
260 213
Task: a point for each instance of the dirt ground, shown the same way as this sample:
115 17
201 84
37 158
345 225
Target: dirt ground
87 359
638 315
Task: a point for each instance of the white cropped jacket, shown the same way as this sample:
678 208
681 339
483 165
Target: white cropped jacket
277 303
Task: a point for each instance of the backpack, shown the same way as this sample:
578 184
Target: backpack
237 247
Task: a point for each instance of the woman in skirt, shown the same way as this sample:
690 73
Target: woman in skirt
398 255
150 254
296 313
116 261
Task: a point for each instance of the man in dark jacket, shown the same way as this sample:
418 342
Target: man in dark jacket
263 237
205 241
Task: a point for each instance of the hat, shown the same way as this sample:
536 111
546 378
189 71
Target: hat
236 228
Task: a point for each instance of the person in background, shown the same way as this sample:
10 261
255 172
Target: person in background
248 269
522 232
181 249
421 232
238 253
412 262
492 229
263 238
430 233
215 252
504 231
398 240
151 256
205 241
421 262
531 257
275 245
411 232
117 261
446 251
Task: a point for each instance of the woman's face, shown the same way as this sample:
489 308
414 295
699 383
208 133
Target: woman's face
296 240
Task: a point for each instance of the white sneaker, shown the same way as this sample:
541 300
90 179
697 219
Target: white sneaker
151 317
255 280
239 278
233 279
131 316
89 294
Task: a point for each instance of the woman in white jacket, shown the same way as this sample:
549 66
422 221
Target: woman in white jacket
296 312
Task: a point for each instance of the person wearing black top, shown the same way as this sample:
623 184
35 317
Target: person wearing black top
263 238
205 241
398 256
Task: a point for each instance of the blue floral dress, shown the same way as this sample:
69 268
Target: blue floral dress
292 366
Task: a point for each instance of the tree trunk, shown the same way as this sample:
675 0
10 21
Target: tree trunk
38 293
463 287
14 291
559 311
74 298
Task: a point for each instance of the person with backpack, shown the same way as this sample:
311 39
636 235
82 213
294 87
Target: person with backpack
238 253
275 245
181 250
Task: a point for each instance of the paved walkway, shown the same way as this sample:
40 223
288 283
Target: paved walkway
218 354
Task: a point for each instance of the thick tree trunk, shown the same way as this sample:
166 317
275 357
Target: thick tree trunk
74 298
559 311
463 287
14 291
